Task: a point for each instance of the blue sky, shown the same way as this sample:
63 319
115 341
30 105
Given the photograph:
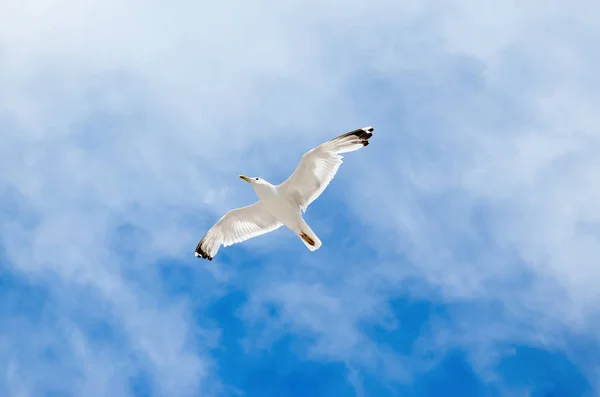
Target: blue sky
460 249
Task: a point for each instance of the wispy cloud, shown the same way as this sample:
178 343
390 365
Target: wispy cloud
124 125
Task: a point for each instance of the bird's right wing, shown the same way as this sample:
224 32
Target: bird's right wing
318 166
235 226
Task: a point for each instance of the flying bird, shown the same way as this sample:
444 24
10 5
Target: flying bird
284 204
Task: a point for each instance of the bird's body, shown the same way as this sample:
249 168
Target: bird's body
284 204
288 213
278 204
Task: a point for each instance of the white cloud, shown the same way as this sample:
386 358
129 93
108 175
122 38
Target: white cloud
518 148
141 113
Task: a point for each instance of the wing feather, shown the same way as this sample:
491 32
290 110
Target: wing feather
235 226
318 166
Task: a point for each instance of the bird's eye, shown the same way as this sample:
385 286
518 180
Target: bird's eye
256 179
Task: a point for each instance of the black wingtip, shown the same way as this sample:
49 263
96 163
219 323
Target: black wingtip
368 133
363 135
200 253
203 255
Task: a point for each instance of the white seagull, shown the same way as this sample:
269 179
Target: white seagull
284 204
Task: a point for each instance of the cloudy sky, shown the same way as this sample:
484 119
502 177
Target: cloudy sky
460 249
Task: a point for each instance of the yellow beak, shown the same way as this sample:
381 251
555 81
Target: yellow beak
245 178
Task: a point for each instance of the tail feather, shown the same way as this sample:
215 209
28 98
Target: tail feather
309 238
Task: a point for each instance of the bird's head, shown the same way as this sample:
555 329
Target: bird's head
255 181
252 181
258 184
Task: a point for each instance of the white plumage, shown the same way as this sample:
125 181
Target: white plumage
283 204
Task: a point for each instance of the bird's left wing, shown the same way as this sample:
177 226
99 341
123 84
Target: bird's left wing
319 165
235 226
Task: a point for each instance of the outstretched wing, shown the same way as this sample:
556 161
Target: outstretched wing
319 165
235 226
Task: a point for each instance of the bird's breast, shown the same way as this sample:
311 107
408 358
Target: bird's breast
283 210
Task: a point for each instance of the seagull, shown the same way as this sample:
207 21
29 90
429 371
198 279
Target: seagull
284 204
